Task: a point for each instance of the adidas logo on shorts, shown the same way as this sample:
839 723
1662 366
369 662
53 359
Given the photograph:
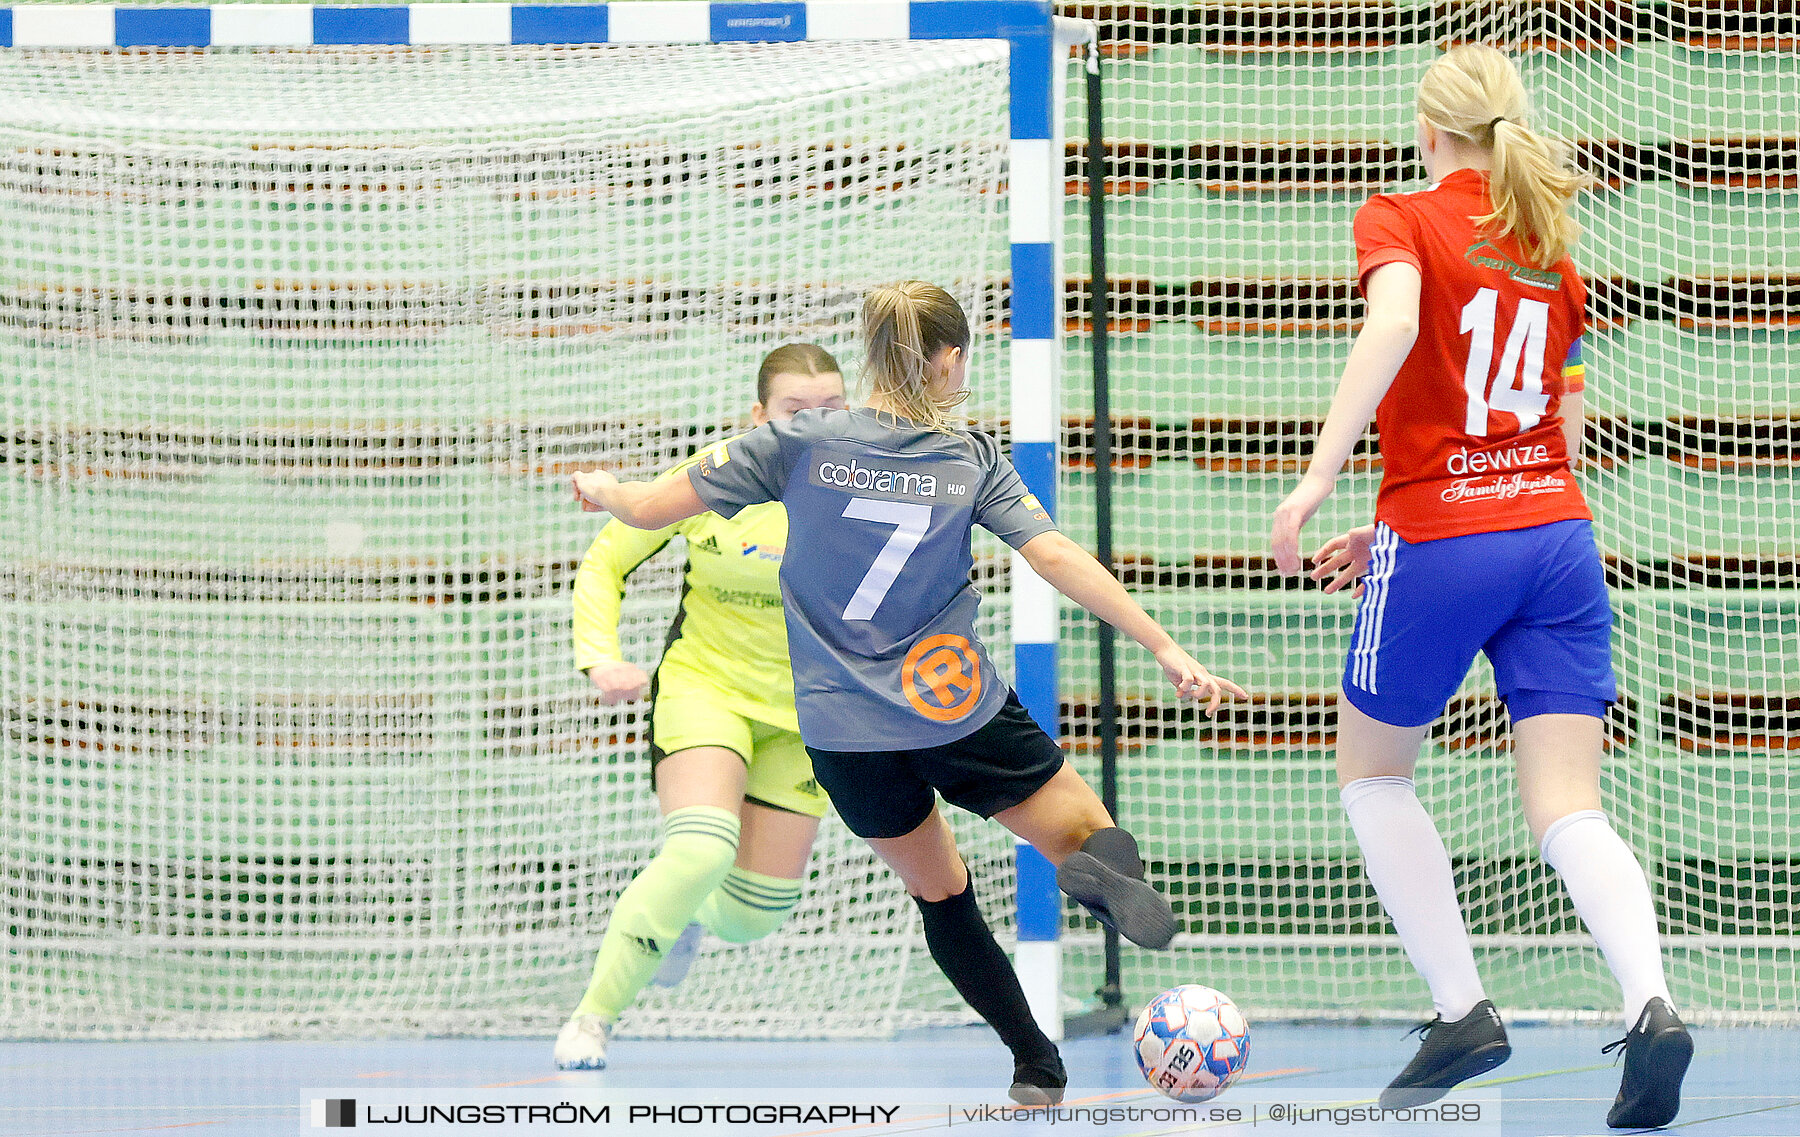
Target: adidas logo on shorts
809 786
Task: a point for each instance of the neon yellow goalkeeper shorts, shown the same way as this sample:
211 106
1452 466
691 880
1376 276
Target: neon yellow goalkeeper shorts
781 773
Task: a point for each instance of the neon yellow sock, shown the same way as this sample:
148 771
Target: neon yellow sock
748 905
699 844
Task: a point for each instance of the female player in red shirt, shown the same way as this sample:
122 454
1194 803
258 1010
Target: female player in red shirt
1482 542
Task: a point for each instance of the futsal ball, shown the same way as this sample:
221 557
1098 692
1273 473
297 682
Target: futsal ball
1192 1042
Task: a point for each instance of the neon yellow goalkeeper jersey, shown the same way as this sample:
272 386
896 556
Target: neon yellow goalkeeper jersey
729 639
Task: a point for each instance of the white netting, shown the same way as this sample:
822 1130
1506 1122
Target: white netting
291 377
1243 137
298 348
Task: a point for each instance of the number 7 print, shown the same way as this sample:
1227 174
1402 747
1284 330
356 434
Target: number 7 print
911 522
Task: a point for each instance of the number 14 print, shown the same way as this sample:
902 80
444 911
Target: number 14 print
1530 327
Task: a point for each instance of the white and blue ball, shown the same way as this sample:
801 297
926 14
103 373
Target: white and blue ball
1192 1042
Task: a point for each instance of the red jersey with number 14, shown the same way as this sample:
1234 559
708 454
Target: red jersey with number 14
1471 430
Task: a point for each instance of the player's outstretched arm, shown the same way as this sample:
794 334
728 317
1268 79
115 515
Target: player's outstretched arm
1072 571
599 597
641 505
1381 347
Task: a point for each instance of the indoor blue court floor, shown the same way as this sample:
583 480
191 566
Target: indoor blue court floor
1745 1081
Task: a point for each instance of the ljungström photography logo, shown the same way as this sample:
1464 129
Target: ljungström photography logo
333 1113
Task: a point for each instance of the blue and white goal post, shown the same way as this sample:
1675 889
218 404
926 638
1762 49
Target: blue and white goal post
1039 55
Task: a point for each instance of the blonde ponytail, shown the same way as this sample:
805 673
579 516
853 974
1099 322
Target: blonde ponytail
1475 91
904 326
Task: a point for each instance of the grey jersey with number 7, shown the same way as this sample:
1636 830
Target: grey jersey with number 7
880 611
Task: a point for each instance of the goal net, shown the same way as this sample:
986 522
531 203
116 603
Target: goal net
299 348
1242 137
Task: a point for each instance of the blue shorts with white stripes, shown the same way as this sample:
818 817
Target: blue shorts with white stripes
1534 600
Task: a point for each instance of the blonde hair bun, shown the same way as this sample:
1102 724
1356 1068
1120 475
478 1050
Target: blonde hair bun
905 325
1475 90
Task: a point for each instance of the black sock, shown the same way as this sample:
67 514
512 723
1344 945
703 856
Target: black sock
1046 1072
966 953
1117 850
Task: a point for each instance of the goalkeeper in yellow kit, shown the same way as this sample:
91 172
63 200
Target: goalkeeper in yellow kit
734 782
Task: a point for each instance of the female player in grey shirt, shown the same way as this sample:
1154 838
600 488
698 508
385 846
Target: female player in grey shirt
897 698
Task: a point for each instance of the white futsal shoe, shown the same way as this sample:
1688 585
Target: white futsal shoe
679 958
581 1044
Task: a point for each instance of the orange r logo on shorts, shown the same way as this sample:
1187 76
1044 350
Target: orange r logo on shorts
949 671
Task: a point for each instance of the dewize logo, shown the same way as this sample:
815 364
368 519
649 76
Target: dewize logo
1466 461
923 481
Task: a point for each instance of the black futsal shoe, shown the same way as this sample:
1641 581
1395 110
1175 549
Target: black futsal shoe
1126 904
1450 1054
1039 1081
1657 1052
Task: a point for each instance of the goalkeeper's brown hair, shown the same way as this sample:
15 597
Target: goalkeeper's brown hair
904 326
793 359
1475 92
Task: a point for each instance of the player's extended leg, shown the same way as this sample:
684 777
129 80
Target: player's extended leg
756 896
1096 862
700 791
783 803
764 885
963 947
1558 757
1407 864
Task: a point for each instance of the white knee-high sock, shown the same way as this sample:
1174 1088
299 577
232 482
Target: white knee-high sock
1608 887
1410 870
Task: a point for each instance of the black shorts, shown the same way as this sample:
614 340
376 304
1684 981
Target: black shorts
888 793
